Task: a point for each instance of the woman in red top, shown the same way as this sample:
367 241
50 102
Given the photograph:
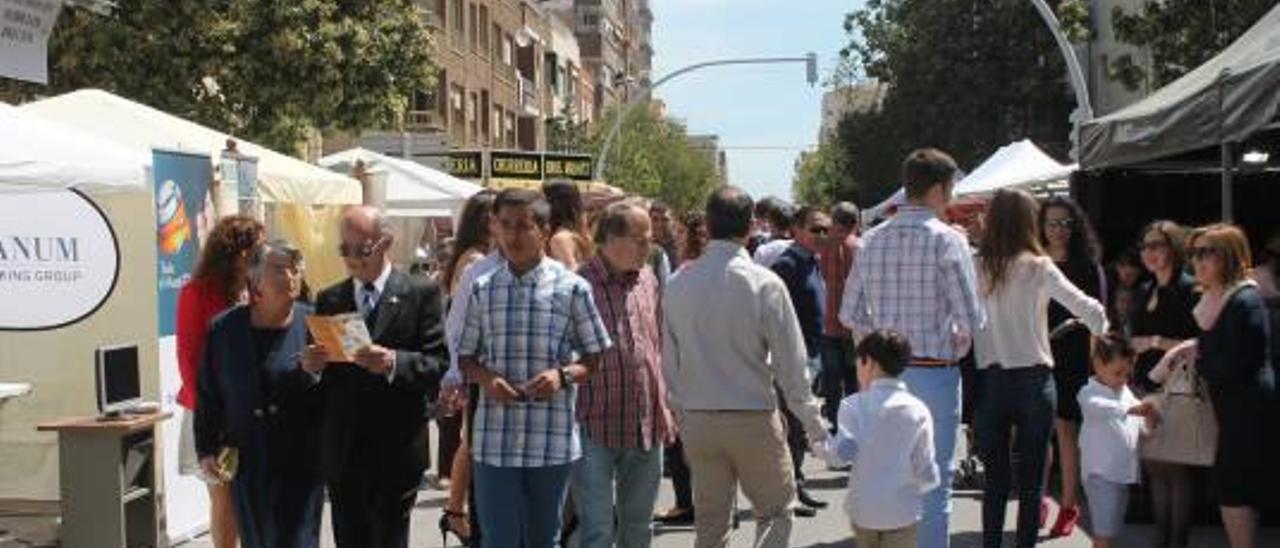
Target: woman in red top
217 284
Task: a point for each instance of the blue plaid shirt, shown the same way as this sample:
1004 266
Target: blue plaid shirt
914 274
521 326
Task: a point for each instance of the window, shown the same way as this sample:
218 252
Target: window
458 121
457 24
508 50
497 125
474 19
473 117
483 40
486 119
511 130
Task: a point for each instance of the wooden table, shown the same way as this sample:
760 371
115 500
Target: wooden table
107 475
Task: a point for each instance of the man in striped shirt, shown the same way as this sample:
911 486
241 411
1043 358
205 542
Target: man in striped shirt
623 408
914 274
532 334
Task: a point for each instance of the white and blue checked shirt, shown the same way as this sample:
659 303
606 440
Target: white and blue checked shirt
520 326
914 274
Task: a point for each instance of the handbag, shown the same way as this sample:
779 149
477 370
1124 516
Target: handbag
1188 430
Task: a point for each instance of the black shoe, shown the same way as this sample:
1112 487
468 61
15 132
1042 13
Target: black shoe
804 511
674 516
806 499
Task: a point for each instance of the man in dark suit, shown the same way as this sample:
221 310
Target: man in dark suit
374 443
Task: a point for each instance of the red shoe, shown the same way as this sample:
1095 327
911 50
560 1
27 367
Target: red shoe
1066 524
1044 511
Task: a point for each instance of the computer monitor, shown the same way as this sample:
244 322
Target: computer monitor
119 384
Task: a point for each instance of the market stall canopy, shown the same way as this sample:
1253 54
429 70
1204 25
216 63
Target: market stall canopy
1227 99
1021 164
36 153
412 188
282 179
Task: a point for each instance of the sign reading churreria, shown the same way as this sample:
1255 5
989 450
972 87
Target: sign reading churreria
59 259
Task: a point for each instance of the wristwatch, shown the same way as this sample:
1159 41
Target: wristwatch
566 380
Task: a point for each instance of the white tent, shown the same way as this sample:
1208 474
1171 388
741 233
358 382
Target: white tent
1019 164
412 188
282 179
39 154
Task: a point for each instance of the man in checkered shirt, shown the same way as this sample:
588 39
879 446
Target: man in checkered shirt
532 334
914 274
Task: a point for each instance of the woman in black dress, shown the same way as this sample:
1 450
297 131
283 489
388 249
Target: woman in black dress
1233 360
1068 237
1162 321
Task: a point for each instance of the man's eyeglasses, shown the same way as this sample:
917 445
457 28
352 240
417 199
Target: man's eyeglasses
358 251
1064 224
819 230
1200 253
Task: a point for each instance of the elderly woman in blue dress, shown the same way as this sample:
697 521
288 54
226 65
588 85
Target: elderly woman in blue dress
257 399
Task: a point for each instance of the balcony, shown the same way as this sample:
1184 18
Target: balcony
423 120
528 93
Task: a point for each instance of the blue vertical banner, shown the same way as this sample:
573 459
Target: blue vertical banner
184 214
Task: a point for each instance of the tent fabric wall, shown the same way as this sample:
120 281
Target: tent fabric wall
1226 99
59 363
37 153
315 231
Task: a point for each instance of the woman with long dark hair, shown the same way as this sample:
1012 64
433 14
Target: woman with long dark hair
1162 321
569 243
471 244
694 236
1069 239
219 282
1016 362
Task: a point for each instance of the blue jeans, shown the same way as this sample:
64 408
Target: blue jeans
615 484
1022 400
839 378
520 507
939 389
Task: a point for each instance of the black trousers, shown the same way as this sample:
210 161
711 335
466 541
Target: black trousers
365 516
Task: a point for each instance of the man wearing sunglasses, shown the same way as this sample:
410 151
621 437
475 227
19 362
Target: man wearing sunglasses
374 441
798 268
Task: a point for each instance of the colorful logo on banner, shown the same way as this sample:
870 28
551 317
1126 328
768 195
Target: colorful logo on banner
183 216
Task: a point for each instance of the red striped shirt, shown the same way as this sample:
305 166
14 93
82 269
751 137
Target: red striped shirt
624 404
835 261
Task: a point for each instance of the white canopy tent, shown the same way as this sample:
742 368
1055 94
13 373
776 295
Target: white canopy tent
1020 164
39 154
281 178
412 189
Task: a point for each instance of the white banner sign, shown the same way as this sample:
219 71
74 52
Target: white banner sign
25 26
59 259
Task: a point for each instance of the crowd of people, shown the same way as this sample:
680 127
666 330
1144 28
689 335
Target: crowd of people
571 359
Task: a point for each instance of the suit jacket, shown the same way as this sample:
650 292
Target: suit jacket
267 407
374 427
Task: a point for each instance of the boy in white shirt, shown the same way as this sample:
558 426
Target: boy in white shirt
1109 436
886 434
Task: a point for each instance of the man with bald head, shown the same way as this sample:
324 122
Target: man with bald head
374 442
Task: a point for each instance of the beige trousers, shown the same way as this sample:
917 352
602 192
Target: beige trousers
728 448
894 538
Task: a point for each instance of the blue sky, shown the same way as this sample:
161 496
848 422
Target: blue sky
749 106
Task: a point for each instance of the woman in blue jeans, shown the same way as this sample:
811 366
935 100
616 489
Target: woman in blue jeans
1018 280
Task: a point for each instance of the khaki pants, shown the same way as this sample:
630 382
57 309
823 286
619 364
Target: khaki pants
894 538
732 447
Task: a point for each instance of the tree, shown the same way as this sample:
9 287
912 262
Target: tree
652 156
967 76
820 174
268 70
565 134
1181 35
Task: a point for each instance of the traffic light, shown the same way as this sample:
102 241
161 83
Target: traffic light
811 68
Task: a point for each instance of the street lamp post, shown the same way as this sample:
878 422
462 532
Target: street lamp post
811 73
1084 109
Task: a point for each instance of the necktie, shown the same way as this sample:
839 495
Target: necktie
370 299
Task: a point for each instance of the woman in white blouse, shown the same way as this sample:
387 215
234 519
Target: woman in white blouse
1015 361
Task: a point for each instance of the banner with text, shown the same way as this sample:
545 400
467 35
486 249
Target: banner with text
183 217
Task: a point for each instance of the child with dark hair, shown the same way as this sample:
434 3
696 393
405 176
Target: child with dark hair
887 435
1109 435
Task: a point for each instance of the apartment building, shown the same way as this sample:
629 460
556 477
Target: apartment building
616 43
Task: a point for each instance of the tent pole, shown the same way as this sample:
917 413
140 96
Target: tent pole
1228 172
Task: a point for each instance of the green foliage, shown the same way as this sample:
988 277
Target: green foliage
1181 34
964 76
268 70
820 174
564 134
1073 16
652 156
